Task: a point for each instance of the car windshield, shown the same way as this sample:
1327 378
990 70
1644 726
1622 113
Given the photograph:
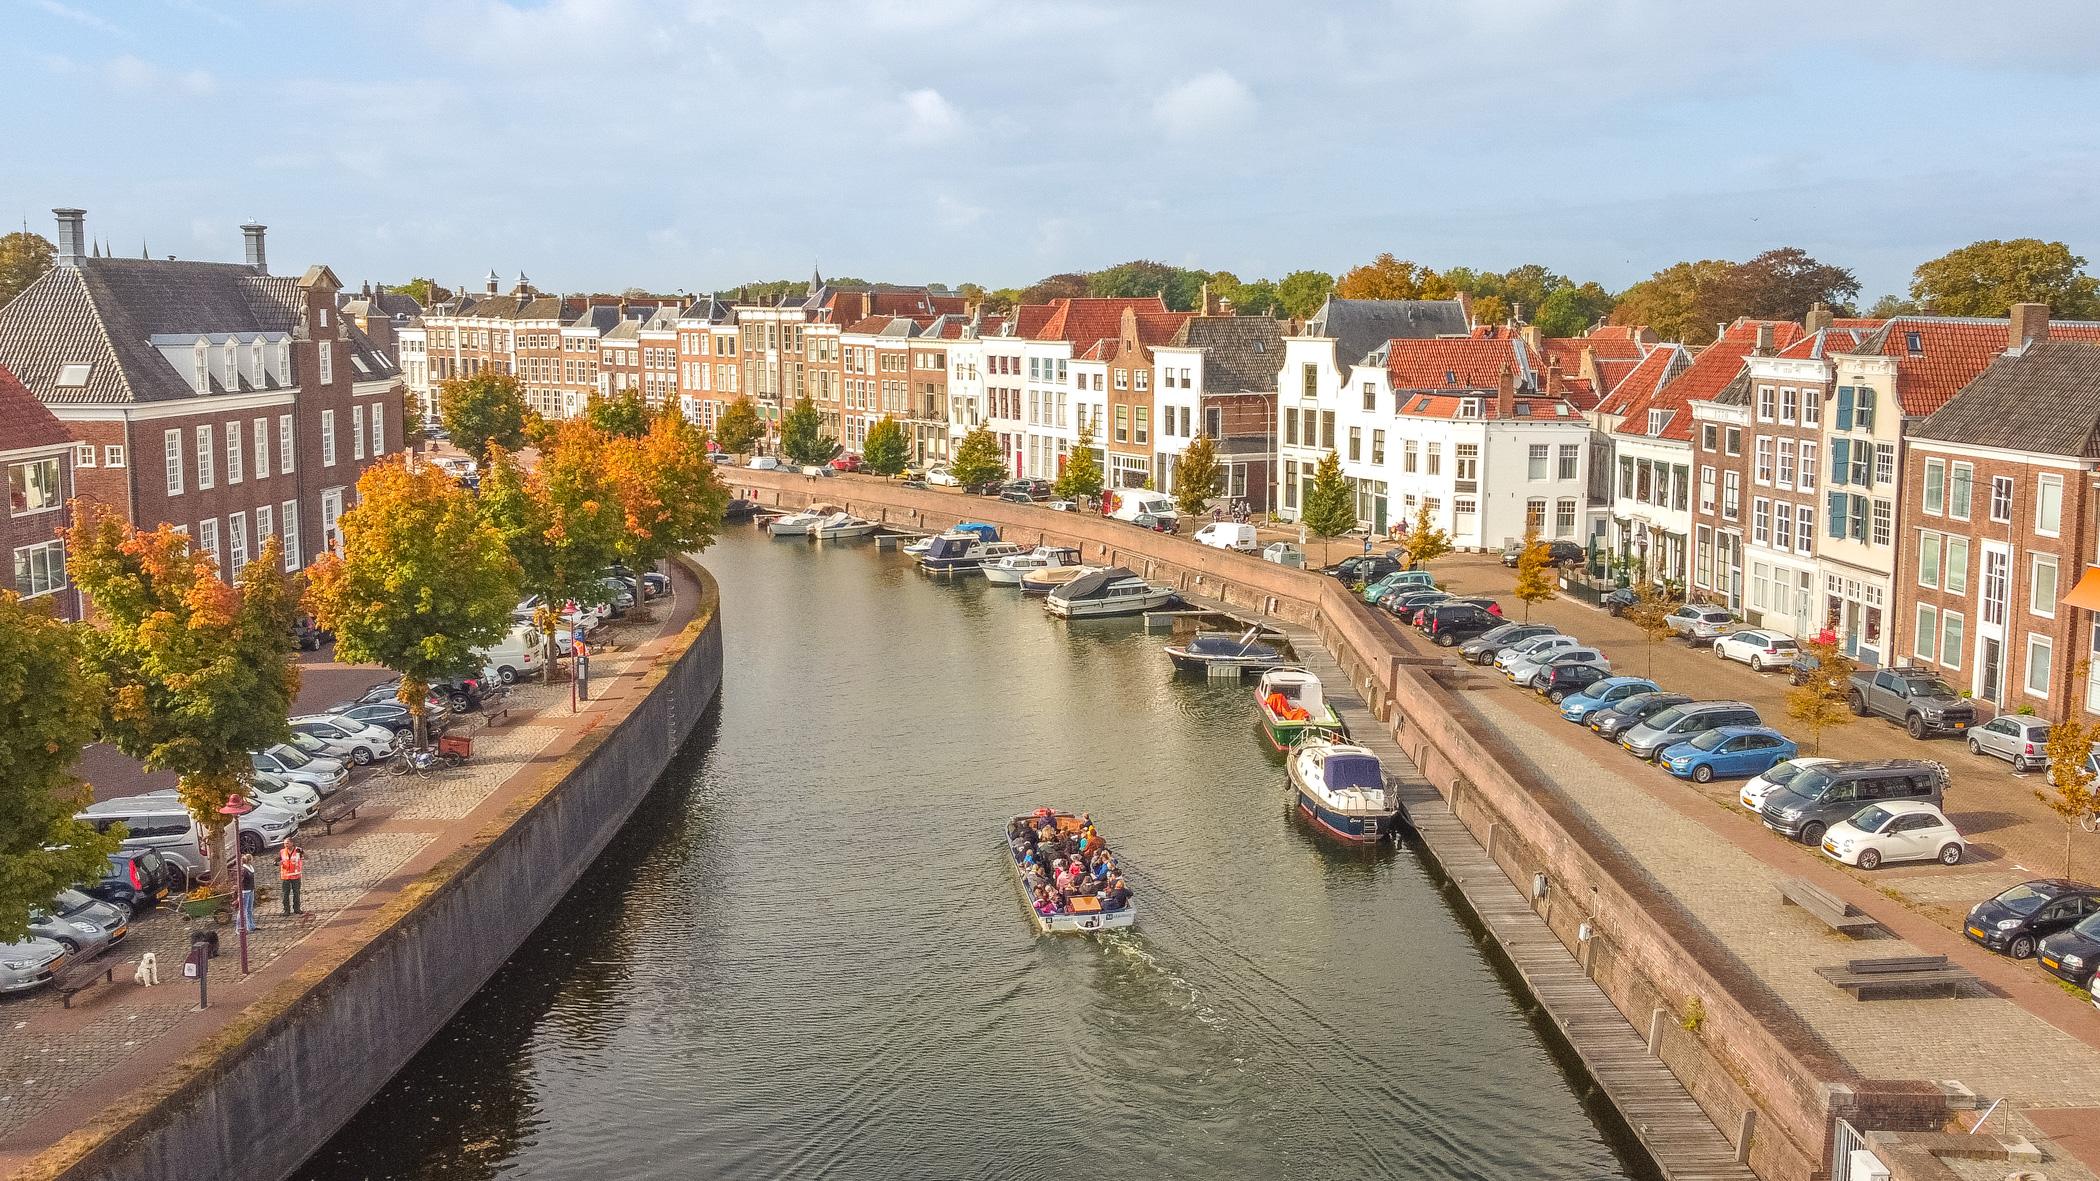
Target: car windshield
1930 687
1811 784
308 743
2023 899
1667 718
71 902
1784 773
1711 740
1871 818
289 756
2089 926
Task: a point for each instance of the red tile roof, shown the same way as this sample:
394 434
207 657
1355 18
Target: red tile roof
1643 378
1420 404
1472 363
1086 320
1950 354
24 421
1714 367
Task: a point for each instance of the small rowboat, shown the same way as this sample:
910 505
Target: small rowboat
1086 918
1224 650
1291 705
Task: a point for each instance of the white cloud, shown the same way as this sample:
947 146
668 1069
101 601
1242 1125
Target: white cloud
79 16
133 73
929 118
1205 103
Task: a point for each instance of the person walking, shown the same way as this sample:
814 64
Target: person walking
291 868
247 892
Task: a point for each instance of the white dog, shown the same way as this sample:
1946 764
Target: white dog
149 970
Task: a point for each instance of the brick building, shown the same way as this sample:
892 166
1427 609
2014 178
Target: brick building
37 452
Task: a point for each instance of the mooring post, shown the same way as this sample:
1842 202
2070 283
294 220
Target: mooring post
1655 1031
1744 1131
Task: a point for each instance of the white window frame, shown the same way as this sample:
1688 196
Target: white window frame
236 468
236 544
2043 484
357 431
205 473
327 438
285 447
2047 644
2036 605
28 558
288 528
172 445
324 361
208 539
260 461
377 412
113 455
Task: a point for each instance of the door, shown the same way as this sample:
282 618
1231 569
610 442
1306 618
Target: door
1912 837
1989 657
1997 736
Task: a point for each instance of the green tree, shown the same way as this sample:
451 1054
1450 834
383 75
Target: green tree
1570 310
886 450
199 673
1003 299
2073 793
1386 277
425 291
671 498
1135 279
802 437
1081 478
1890 306
1196 475
1068 285
483 409
1330 504
1650 612
1667 301
1986 278
971 292
561 521
52 701
1425 541
1535 576
24 257
738 429
624 413
1819 702
1300 293
977 458
1781 284
1491 309
423 585
1256 298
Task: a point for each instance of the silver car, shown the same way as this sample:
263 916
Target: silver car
2019 739
80 924
1700 624
364 744
325 776
29 964
1538 647
1525 672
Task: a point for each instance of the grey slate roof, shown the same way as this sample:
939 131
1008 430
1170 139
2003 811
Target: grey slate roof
1736 392
2046 401
1241 354
1360 325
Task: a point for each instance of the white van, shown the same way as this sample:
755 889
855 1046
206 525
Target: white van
519 655
1132 503
1228 535
160 823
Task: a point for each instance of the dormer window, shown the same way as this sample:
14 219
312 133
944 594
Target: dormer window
255 360
200 374
1657 420
1450 377
1469 408
1915 343
230 361
1523 410
284 362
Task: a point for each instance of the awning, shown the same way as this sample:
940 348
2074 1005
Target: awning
2086 595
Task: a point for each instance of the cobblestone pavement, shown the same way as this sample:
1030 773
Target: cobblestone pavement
47 1052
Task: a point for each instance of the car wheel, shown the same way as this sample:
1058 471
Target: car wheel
1703 773
361 756
1446 640
507 675
2021 947
1557 696
72 947
1858 703
1869 859
1950 854
1756 665
1914 725
1812 834
251 842
1975 747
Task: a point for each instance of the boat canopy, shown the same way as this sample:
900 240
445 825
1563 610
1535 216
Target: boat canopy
1344 770
951 545
1088 585
983 531
1229 644
1298 687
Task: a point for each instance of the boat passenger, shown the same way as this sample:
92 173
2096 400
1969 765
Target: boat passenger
1116 896
1044 904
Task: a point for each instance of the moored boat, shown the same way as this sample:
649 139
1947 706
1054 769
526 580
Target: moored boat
1008 571
803 523
964 551
1209 650
1341 788
1081 914
1291 704
987 532
838 526
1106 592
1049 578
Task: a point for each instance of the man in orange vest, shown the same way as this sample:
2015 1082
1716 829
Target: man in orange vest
291 866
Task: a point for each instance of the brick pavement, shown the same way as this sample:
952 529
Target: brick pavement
116 1035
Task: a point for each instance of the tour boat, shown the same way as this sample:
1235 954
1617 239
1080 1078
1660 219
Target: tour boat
1084 919
1341 788
964 551
1049 578
1007 571
843 525
801 524
1209 650
1290 704
1106 592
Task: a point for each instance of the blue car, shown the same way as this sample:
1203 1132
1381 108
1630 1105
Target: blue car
1608 692
1738 752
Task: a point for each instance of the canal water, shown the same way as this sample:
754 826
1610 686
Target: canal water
806 957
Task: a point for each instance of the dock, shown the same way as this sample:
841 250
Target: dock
1680 1138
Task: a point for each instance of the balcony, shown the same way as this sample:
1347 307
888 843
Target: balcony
1464 486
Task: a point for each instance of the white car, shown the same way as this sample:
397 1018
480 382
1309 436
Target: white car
763 463
1062 506
326 776
1754 792
1525 671
940 477
361 744
296 799
1535 646
1228 535
267 826
1758 649
1896 830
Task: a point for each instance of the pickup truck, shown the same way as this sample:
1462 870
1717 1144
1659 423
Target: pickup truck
1924 704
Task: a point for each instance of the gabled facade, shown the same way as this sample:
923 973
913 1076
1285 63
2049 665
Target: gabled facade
37 453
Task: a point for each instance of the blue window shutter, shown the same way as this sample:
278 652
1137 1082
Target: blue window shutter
1840 461
1844 419
1835 514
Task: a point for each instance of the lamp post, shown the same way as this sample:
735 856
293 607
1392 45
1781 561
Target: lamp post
237 807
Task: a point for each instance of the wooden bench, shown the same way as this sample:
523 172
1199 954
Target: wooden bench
343 808
81 977
1901 973
495 708
1836 913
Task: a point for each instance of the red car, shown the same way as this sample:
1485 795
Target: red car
849 462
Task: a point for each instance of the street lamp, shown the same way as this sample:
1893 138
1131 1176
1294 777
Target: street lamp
237 807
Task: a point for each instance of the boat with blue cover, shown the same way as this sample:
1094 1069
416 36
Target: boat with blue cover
963 550
1341 788
1213 650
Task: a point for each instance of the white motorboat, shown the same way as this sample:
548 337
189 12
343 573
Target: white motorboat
1049 578
801 524
1341 788
964 552
1008 571
838 526
1107 592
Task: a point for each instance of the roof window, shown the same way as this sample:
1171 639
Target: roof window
1915 342
73 376
1450 377
1422 407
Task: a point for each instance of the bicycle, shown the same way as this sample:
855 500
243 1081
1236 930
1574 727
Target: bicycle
424 763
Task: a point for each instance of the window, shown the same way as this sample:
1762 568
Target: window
2041 586
172 443
1309 381
1926 644
1884 463
1811 407
1761 521
236 544
204 456
1564 517
1327 430
1143 431
331 514
1536 462
2048 505
1835 517
1356 443
1535 515
1731 495
1657 420
1805 478
1408 455
1959 482
324 354
1805 529
1570 460
40 569
1936 486
1709 437
208 538
1844 408
1997 574
1377 446
1290 426
1928 558
1469 408
113 456
1783 525
2001 499
1789 403
1766 402
1862 473
1144 379
328 438
84 455
357 432
1785 477
1370 392
1951 638
1954 569
262 448
289 515
2041 652
34 487
1762 473
1884 521
1435 466
1707 484
265 527
1122 423
284 444
234 464
1863 408
1732 441
1467 456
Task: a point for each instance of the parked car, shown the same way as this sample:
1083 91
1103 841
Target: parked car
137 880
1603 694
849 462
1284 553
365 744
1450 624
763 463
1758 649
29 964
1920 701
2015 921
1528 672
1408 579
2019 739
1899 830
1403 603
1557 682
294 799
1753 794
1230 535
1730 752
160 823
1512 550
84 927
1062 506
1802 667
1682 723
325 776
391 715
1823 796
1027 490
1016 496
2072 954
1364 567
1613 722
1539 645
317 748
1699 623
1418 616
308 634
939 477
1617 602
1482 648
1157 523
654 584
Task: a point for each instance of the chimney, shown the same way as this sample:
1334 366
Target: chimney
1530 333
1555 387
1818 318
252 234
1506 393
2030 323
1764 338
72 225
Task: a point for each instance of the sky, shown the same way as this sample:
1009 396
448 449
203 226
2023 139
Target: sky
685 145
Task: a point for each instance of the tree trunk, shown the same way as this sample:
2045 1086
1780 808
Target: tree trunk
411 694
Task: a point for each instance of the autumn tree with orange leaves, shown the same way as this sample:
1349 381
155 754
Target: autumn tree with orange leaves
200 673
670 498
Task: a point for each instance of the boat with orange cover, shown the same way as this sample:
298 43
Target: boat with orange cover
1291 704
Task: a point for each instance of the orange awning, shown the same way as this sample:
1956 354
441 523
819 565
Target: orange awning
2086 595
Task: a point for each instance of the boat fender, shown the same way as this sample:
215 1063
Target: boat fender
1089 924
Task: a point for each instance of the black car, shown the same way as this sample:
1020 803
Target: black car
1405 605
1025 490
1483 648
1619 600
1561 681
653 584
988 488
1450 623
1016 496
1608 724
2072 954
2015 921
1157 524
1365 567
390 714
1802 667
137 880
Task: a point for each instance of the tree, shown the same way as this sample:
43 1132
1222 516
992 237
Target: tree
411 418
1986 278
1667 300
2073 793
1570 310
1081 479
885 451
1256 298
1425 542
1491 309
425 291
199 673
52 701
1003 299
1535 576
1300 293
1890 306
483 409
424 584
738 429
1650 612
971 292
1068 285
561 522
1386 277
977 458
24 257
624 413
671 500
802 437
1781 284
1196 475
1135 279
1819 702
1330 504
